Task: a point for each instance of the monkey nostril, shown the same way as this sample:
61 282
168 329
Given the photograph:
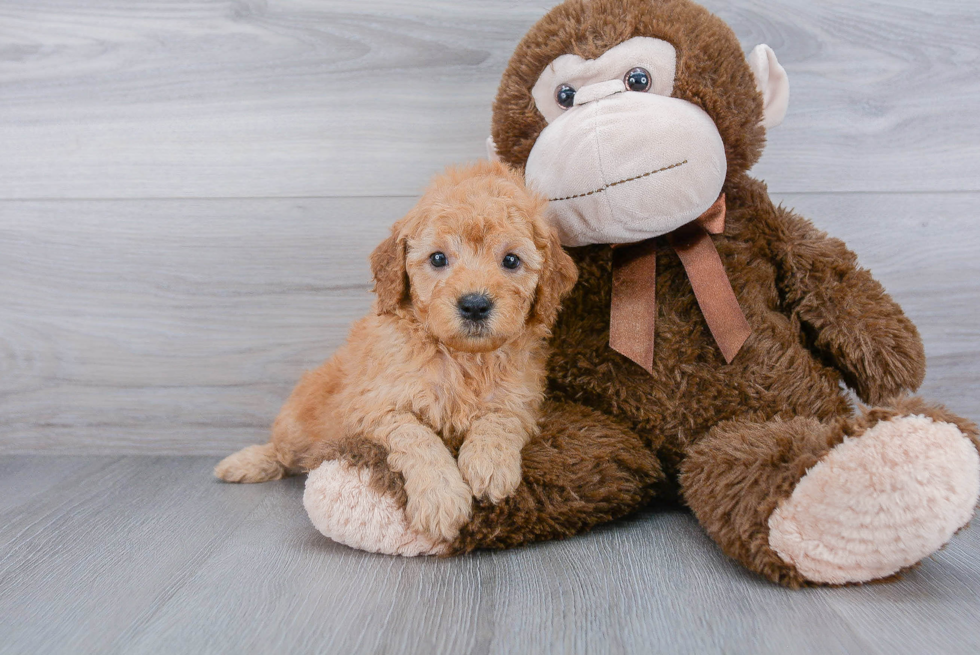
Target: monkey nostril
475 306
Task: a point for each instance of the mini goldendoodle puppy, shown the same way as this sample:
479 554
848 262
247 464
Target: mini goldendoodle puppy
452 357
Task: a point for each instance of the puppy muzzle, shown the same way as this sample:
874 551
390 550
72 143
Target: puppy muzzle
475 309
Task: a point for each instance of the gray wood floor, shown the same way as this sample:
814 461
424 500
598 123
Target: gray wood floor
147 554
188 194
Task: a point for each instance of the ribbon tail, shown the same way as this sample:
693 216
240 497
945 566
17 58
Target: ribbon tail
633 312
712 288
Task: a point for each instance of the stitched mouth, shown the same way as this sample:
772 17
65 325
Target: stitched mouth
623 181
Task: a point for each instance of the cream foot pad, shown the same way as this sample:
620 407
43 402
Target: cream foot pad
878 503
342 506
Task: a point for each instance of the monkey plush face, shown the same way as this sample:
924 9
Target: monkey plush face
629 115
620 159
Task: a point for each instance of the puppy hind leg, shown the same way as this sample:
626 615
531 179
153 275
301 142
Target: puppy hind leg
258 463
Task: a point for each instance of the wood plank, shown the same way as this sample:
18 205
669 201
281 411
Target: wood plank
149 554
24 478
944 596
618 590
315 595
654 583
179 326
92 555
111 99
136 322
880 98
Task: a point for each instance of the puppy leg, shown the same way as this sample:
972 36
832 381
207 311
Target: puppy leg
274 460
439 501
251 464
490 457
304 421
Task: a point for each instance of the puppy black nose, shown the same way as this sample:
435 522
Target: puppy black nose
475 306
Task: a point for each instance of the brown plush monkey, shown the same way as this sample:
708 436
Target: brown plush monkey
639 119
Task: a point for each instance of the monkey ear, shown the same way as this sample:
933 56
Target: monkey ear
390 275
773 84
492 150
558 276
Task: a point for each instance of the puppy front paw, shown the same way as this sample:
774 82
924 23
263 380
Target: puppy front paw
491 469
439 507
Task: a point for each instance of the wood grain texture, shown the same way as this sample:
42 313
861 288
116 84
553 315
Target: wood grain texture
206 98
138 323
149 554
188 195
180 326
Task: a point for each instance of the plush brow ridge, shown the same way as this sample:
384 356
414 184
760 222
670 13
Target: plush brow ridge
623 181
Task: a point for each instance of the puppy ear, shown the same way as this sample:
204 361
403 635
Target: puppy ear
558 276
388 270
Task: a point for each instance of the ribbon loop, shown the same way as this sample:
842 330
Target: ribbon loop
633 311
713 219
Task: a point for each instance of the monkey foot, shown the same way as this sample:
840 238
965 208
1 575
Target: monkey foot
878 503
343 506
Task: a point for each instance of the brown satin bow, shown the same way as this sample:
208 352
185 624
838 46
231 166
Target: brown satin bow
634 302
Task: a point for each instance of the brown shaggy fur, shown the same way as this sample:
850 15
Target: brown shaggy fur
731 440
570 488
709 72
452 402
581 470
731 485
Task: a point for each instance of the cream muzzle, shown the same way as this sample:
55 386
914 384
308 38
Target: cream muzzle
621 167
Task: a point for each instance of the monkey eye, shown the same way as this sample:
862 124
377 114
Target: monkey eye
438 260
565 96
511 261
638 79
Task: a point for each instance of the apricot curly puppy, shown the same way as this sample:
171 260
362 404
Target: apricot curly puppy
451 359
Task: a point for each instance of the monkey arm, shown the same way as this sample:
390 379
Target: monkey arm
846 314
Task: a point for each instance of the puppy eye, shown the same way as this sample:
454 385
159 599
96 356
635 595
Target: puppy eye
637 79
511 261
438 260
565 96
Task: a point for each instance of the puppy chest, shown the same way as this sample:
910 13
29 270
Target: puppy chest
450 409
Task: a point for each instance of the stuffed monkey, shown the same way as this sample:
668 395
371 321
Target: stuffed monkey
702 353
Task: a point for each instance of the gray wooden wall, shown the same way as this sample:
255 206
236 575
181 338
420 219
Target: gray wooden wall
189 190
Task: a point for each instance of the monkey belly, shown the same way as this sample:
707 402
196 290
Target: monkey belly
692 388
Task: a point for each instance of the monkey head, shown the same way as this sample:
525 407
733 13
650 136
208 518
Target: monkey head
630 115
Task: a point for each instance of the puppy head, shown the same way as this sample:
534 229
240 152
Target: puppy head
474 261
